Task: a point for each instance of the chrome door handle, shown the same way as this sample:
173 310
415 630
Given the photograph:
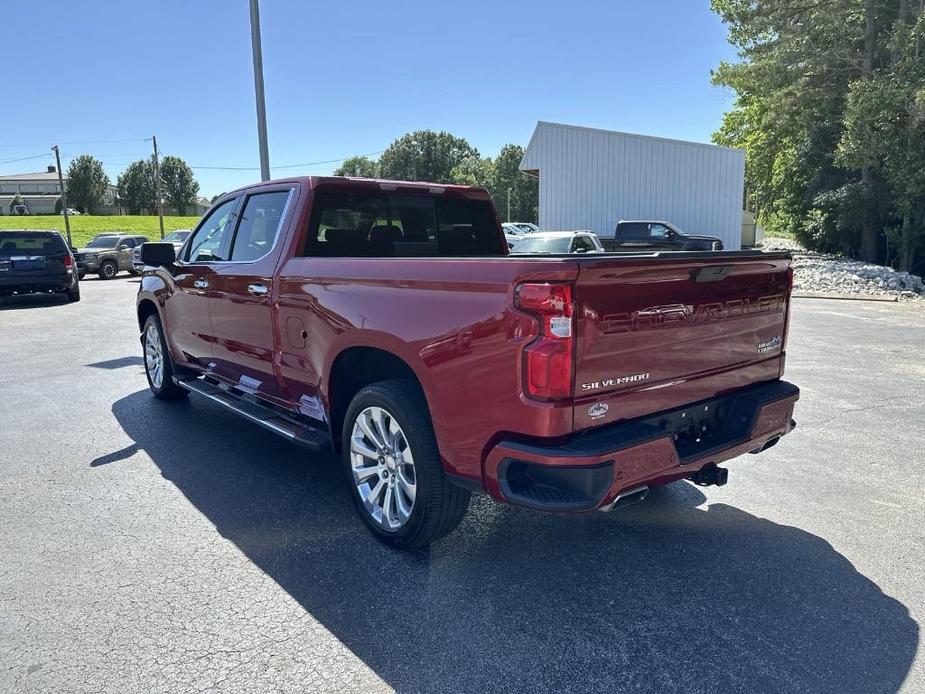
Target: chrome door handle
257 289
200 284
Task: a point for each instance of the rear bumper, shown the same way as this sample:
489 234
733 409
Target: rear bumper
23 284
591 469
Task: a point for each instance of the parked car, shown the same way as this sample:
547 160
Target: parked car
37 261
656 235
175 237
514 231
71 212
553 242
524 227
108 254
393 327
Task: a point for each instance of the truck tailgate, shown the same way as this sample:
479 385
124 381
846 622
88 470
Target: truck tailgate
662 331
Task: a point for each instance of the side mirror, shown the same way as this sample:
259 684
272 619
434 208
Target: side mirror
158 254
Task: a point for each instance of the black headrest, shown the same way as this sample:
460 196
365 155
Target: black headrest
457 240
385 232
344 242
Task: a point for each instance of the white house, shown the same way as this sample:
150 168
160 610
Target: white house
590 179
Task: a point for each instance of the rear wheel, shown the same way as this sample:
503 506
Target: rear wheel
158 365
73 294
108 270
396 477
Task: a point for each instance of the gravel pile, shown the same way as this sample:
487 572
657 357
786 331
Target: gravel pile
833 274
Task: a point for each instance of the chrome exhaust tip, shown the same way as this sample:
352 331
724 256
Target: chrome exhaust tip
627 498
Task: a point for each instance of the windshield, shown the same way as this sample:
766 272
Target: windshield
12 244
105 242
176 237
525 228
544 244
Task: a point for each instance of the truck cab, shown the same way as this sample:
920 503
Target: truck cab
657 235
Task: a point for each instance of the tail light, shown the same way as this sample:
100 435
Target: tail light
68 260
548 359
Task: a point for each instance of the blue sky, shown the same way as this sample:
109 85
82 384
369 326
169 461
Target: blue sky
345 77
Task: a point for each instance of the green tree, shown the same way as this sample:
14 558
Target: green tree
87 183
474 171
364 167
524 187
830 110
17 200
424 155
178 185
136 187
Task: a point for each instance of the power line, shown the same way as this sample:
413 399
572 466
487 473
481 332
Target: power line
287 166
35 156
73 142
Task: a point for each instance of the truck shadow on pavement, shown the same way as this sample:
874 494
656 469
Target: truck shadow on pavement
667 595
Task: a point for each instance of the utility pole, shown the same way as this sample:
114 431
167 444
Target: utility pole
67 222
258 90
157 186
509 204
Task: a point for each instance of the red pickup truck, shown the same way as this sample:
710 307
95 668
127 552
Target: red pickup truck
386 320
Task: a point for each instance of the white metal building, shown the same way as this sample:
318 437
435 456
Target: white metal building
591 178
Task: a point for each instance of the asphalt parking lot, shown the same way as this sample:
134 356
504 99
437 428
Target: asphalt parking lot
170 547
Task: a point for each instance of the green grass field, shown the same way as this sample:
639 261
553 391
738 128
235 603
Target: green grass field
84 227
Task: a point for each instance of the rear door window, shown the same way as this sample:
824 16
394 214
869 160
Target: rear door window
634 231
582 244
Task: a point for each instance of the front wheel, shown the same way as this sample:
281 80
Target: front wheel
391 457
108 270
158 364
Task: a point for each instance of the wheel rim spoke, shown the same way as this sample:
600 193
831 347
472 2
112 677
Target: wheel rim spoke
364 421
387 504
361 474
358 446
373 495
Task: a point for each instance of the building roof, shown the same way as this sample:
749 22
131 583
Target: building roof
38 176
530 161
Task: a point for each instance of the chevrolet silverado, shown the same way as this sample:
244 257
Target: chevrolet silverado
386 321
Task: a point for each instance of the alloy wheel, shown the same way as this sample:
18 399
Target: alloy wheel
154 357
383 468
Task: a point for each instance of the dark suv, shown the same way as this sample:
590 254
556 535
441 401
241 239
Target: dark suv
36 261
656 235
108 254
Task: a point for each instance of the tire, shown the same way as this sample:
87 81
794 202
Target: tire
73 295
81 275
437 506
160 382
108 270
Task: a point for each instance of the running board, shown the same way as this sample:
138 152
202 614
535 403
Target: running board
269 417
